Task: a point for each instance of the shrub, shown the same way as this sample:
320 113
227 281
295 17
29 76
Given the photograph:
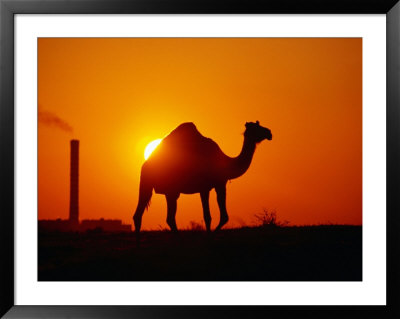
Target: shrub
268 219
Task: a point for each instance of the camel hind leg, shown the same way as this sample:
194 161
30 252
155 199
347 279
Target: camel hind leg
145 193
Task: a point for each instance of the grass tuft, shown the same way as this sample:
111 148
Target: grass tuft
268 219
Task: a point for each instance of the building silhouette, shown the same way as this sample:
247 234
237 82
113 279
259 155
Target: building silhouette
74 183
73 223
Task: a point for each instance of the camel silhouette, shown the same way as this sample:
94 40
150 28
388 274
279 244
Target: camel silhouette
187 162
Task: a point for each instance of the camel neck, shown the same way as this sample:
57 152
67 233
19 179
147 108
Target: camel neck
241 163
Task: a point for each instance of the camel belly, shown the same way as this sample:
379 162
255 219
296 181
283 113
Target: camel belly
184 186
186 191
187 177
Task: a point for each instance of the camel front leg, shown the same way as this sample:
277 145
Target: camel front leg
221 198
171 206
206 208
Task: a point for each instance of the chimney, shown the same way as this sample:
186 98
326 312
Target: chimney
74 183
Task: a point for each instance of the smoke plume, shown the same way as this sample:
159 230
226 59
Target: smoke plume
51 119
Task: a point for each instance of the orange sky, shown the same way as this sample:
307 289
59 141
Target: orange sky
120 94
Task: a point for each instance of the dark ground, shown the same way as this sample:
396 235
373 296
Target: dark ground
323 253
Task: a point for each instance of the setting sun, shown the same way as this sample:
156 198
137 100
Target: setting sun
151 147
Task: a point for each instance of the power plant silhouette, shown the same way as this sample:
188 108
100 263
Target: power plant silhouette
73 223
74 183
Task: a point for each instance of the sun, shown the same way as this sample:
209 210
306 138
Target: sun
151 147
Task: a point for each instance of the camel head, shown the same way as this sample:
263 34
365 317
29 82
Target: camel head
256 132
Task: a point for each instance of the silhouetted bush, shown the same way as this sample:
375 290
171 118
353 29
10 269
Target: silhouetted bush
268 219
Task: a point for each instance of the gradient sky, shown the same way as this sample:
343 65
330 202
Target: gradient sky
117 95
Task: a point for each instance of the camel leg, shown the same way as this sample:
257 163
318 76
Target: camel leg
206 208
221 199
145 192
137 217
171 206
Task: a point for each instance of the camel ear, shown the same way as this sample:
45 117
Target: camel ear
258 123
247 124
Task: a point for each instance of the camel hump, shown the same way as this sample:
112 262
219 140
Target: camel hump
186 138
186 129
185 132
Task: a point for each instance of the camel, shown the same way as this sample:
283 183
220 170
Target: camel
186 162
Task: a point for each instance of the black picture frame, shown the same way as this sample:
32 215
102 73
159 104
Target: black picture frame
8 9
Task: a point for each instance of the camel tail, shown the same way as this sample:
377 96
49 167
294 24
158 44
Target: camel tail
145 193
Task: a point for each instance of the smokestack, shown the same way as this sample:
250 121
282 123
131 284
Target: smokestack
74 183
